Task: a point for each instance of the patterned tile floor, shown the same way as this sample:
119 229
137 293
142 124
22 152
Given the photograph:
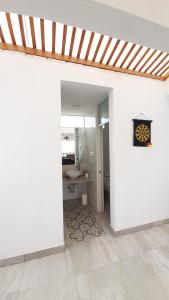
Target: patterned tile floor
131 267
80 221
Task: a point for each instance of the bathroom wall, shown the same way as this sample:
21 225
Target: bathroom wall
76 192
90 128
73 192
82 147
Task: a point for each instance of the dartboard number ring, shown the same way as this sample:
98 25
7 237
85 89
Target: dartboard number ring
142 133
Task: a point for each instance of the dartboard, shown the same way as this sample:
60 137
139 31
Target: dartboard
142 133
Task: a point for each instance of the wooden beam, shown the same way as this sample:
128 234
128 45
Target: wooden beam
53 36
64 39
72 41
147 60
127 56
98 47
160 62
152 63
158 71
113 51
56 56
120 53
164 71
81 43
31 20
1 35
22 30
89 45
105 50
134 57
42 29
8 18
166 76
141 59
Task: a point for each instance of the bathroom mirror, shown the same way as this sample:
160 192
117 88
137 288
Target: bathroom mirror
73 145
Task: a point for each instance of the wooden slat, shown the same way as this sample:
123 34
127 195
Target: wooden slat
160 62
147 60
162 67
120 53
8 17
141 59
98 47
42 29
166 76
72 41
127 56
113 51
89 45
105 50
22 30
134 57
64 39
53 36
1 35
31 20
60 57
81 43
164 71
152 63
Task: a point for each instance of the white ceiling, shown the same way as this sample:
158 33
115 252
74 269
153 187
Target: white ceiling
151 10
146 24
85 95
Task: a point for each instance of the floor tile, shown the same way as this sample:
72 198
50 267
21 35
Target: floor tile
157 237
46 270
110 282
80 222
10 277
144 241
165 228
10 296
89 255
128 246
63 290
124 246
159 259
112 254
94 286
144 277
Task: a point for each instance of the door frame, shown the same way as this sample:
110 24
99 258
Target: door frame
99 153
100 169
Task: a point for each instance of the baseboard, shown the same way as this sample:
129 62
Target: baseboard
138 228
29 256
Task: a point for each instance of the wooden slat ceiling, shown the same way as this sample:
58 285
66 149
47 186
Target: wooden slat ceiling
53 40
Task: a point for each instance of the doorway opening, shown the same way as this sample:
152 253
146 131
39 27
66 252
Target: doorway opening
85 160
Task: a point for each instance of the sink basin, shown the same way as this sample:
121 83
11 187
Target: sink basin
73 174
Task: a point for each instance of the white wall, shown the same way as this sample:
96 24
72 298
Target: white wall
30 161
30 170
167 87
141 175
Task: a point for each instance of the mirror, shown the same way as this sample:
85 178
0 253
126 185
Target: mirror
73 145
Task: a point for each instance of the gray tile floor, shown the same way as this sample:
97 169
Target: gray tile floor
131 267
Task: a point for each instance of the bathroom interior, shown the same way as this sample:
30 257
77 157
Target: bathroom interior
85 160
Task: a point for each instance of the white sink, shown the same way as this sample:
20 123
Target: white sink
73 174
